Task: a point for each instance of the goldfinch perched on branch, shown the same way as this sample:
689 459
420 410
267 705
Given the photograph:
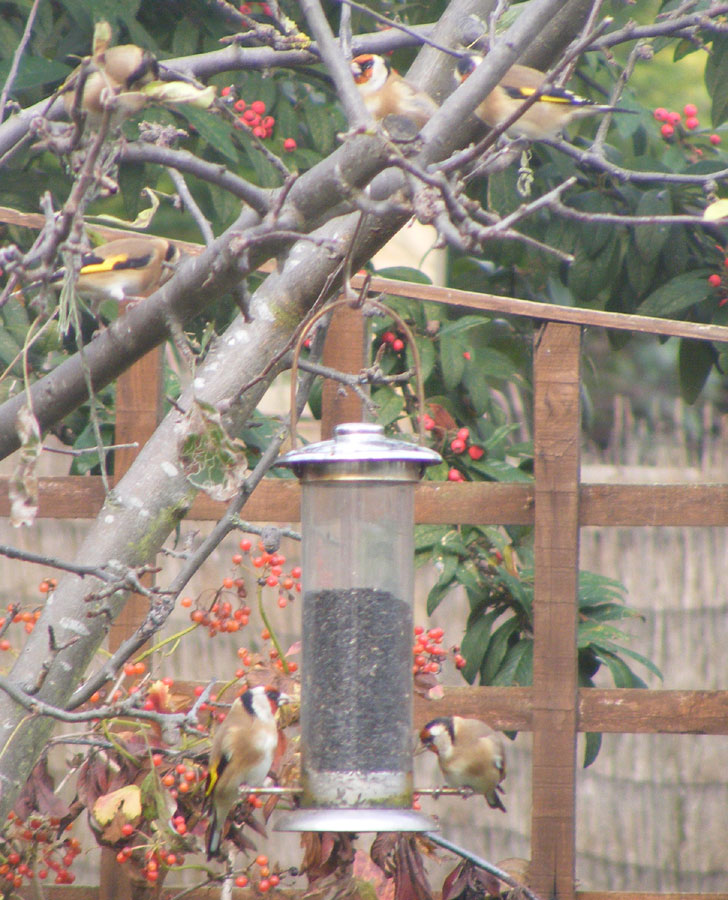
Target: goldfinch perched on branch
386 93
242 753
470 755
548 116
114 76
125 269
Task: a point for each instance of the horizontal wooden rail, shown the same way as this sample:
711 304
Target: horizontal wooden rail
609 710
80 892
486 503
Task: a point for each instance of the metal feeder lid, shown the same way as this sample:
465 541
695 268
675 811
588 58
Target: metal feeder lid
363 450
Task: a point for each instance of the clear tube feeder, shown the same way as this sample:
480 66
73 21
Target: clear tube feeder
357 517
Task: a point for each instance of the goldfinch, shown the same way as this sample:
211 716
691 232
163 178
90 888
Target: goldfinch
242 753
470 755
386 93
546 118
113 78
125 269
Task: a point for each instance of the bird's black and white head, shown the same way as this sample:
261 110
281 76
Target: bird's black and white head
438 735
262 701
370 72
466 65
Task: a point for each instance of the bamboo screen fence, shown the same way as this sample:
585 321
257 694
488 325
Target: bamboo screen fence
554 708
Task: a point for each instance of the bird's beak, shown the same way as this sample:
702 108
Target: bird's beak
283 699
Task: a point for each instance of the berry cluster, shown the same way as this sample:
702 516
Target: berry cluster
253 117
390 339
223 616
266 878
429 654
152 858
14 616
720 280
247 8
672 120
459 444
32 848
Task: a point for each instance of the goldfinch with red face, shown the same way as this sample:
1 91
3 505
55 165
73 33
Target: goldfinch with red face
470 755
386 93
114 77
546 118
125 269
242 753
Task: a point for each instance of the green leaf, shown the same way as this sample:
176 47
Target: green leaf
592 746
459 326
475 643
426 536
390 405
497 649
452 362
33 72
716 79
321 126
517 666
215 132
676 295
650 239
695 362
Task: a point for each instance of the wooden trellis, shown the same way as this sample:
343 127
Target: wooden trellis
554 708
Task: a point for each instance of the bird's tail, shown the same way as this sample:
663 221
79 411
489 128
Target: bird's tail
214 835
494 801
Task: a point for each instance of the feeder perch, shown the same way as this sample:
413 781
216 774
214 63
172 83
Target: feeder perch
357 517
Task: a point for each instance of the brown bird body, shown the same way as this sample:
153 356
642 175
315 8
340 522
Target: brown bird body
546 118
242 753
470 755
125 269
113 79
386 93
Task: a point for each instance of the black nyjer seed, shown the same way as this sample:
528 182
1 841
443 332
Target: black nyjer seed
357 664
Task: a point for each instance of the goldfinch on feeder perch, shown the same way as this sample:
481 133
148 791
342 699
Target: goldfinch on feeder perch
470 755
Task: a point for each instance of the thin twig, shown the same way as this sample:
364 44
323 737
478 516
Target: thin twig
19 51
400 26
481 864
190 204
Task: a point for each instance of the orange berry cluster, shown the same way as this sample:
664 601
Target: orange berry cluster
31 848
15 617
153 858
266 878
429 653
672 120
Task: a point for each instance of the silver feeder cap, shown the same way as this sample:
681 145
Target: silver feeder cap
364 452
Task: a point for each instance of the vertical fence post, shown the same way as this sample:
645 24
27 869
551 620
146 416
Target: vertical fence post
556 561
138 412
344 350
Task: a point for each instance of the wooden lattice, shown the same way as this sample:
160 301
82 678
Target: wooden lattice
554 709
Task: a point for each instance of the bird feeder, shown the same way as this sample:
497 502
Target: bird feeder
357 516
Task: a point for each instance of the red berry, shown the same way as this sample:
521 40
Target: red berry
245 545
457 446
691 123
463 434
428 423
690 109
466 354
258 107
260 131
289 145
274 880
261 860
271 581
296 572
225 92
389 337
714 139
660 114
127 829
263 885
455 475
475 452
674 117
667 130
714 280
397 345
241 881
186 601
240 106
